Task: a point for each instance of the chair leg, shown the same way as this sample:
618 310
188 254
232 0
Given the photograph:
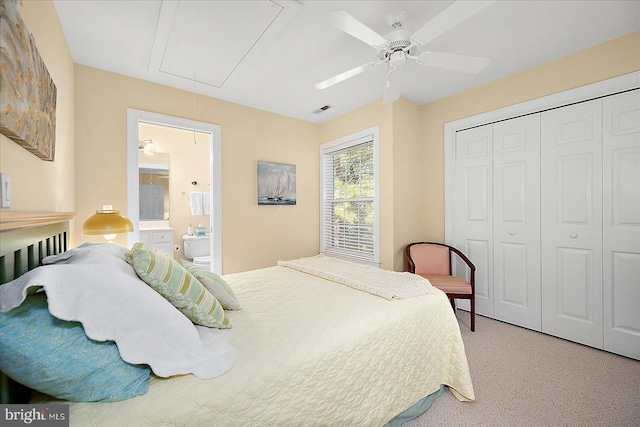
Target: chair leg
473 313
453 304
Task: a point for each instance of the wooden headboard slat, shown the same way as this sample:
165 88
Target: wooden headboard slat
21 262
6 269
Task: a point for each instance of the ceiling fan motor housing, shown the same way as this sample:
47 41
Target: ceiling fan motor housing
397 41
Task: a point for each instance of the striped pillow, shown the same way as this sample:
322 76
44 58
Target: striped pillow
167 277
139 245
214 284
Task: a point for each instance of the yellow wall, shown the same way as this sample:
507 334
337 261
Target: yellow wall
37 185
614 58
253 236
410 164
91 155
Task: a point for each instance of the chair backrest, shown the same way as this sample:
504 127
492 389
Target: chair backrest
431 259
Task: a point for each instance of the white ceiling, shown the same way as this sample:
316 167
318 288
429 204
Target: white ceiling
268 54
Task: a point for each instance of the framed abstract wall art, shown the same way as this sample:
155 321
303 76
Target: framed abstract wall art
27 91
276 183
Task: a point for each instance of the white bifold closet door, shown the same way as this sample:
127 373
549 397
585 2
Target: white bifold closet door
571 156
621 223
474 211
498 216
516 221
547 206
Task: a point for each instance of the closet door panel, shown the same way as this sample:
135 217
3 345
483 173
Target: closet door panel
481 254
571 206
573 275
621 240
512 266
473 219
516 221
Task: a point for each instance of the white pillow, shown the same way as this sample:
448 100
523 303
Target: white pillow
113 304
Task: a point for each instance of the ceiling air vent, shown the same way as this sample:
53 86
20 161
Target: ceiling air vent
322 109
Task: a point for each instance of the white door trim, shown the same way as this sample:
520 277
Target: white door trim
583 93
136 116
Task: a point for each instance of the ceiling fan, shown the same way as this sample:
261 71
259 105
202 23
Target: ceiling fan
396 47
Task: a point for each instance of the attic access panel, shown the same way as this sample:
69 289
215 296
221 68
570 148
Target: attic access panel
207 41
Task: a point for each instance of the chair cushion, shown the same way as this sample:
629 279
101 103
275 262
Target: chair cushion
449 284
430 259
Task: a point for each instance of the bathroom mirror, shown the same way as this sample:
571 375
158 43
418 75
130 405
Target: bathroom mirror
153 173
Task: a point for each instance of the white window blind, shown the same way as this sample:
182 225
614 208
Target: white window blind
349 223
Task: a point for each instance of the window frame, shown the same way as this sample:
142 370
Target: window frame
340 144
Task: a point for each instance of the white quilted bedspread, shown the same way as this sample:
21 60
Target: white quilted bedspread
311 352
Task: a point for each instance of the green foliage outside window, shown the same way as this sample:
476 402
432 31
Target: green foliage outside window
352 209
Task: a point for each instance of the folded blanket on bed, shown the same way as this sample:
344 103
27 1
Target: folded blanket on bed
383 283
99 289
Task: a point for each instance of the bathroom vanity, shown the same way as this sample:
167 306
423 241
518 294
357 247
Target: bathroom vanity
157 235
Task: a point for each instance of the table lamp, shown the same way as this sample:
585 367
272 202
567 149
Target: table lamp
108 222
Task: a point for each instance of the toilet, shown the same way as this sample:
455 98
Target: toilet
197 249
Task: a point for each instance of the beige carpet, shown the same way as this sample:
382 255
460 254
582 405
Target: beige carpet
526 378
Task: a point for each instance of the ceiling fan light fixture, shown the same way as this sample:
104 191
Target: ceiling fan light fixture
396 59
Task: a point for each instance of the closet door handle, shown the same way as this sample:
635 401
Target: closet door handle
573 235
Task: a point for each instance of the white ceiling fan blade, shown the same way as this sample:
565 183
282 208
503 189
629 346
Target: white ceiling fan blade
452 61
346 75
450 17
350 25
392 89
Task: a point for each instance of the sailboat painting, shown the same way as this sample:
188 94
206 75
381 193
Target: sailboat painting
276 183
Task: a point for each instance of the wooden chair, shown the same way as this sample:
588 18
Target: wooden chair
433 261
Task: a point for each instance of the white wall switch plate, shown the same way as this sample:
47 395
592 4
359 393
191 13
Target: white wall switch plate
5 191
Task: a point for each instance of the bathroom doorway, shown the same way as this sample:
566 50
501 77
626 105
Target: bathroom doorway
202 133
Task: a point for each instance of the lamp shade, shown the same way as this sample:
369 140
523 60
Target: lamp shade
106 221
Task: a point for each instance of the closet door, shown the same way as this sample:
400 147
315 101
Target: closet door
516 221
621 243
473 217
571 206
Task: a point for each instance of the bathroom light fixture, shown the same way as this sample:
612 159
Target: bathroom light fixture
147 147
108 222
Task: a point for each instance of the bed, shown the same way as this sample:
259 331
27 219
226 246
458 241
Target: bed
310 351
